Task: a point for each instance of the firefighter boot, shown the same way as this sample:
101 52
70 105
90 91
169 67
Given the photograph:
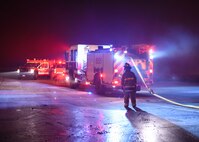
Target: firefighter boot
133 99
126 101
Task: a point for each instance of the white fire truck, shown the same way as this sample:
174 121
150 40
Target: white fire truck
104 63
35 67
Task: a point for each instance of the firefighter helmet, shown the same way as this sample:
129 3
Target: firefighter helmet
127 66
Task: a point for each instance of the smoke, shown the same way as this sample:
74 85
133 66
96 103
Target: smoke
176 55
176 43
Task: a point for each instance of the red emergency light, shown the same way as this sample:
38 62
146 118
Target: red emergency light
87 83
115 82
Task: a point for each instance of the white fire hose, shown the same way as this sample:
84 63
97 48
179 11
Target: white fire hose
158 96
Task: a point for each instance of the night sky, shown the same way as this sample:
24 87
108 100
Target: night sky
45 28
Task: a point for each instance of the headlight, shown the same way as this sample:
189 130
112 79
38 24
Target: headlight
67 78
31 70
18 70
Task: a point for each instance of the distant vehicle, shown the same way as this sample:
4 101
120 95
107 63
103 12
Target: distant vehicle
105 63
34 68
59 71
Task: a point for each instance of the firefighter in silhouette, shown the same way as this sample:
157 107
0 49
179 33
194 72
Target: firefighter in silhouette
129 82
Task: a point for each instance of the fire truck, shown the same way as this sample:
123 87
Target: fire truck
35 67
59 70
102 65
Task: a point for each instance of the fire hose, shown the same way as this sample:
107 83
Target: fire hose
158 96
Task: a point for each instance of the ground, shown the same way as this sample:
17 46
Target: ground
45 111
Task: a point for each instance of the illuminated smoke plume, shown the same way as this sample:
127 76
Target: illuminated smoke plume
176 55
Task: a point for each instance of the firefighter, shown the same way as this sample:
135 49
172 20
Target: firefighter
129 82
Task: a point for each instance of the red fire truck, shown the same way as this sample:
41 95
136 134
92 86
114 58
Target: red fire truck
35 67
58 70
86 61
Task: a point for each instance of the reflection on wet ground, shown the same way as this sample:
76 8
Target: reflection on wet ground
39 112
51 123
154 129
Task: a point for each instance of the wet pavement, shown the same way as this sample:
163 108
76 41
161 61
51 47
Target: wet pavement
41 111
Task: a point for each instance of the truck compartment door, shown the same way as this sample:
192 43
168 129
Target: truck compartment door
90 67
108 68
